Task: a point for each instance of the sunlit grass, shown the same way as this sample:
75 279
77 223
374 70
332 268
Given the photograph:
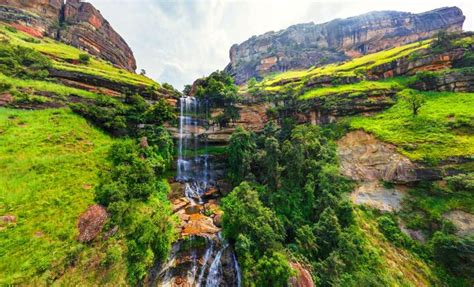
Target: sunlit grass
350 67
49 161
431 135
351 88
62 53
45 86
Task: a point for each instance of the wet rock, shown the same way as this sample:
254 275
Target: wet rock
179 204
463 221
193 209
217 219
199 224
377 196
303 277
211 193
90 222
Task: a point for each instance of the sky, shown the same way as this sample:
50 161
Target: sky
182 40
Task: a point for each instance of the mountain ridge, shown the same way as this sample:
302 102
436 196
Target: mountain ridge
305 45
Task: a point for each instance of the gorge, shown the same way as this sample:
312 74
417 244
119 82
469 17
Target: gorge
332 154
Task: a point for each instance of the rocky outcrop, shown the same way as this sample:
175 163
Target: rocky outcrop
374 194
364 158
463 221
87 29
451 81
306 45
91 222
75 23
425 60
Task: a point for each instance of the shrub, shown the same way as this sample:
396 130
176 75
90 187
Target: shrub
455 253
461 182
21 62
84 59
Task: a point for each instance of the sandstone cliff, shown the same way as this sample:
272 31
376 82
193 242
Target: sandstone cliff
306 45
73 22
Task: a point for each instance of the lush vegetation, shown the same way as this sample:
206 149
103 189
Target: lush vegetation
442 128
65 57
122 118
297 210
135 196
351 89
217 91
48 164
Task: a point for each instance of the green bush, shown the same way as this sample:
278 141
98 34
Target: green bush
455 253
84 59
273 271
392 232
21 62
461 182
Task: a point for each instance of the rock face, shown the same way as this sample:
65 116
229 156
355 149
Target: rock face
452 81
463 221
75 23
306 45
363 157
374 194
91 222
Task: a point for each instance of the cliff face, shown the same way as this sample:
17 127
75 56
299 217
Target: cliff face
75 23
306 45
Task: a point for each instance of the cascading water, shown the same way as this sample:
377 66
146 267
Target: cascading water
214 262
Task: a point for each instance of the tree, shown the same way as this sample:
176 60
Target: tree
327 232
413 99
273 271
245 214
241 152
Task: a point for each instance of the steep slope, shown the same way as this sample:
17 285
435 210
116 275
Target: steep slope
49 163
306 45
73 22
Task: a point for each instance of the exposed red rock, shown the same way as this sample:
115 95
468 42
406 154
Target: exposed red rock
303 277
90 223
87 28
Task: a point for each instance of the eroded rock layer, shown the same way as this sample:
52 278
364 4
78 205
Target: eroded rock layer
73 22
306 45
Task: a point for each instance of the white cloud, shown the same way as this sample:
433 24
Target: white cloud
179 41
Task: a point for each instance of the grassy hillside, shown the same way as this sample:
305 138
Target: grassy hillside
49 161
66 57
352 67
441 130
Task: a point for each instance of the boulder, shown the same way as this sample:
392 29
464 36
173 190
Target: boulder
90 223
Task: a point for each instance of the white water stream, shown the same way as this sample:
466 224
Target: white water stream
195 172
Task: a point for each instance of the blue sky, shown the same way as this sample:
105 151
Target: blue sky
182 40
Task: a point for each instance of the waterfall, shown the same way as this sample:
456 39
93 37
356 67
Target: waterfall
195 171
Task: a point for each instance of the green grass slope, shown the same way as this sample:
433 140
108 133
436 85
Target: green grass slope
442 129
49 161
